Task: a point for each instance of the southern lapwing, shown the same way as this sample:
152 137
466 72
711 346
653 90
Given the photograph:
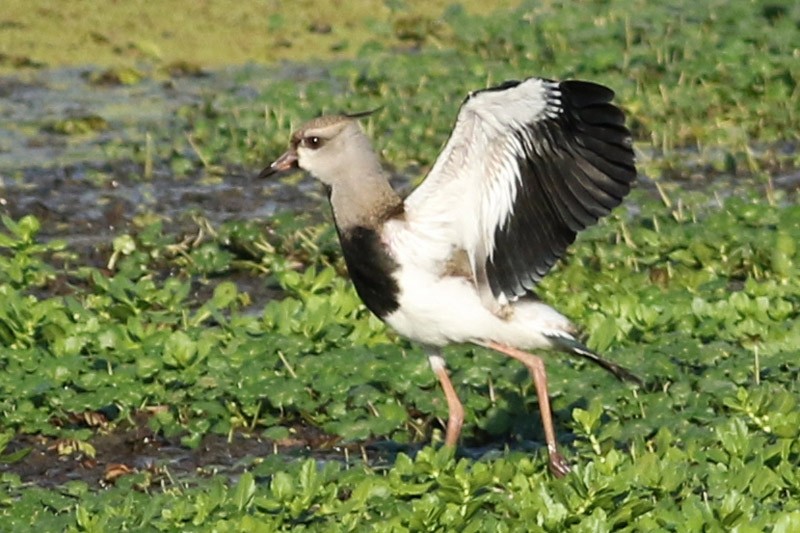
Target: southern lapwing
528 165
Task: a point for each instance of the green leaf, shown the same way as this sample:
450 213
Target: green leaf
179 349
282 486
244 491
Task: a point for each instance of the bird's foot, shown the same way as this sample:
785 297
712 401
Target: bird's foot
558 465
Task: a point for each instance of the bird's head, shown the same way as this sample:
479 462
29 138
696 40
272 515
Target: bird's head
331 148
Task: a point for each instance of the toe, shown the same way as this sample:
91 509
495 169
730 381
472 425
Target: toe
558 465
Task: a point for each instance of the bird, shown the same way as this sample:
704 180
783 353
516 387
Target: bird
529 163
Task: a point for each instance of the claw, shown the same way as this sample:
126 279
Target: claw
558 465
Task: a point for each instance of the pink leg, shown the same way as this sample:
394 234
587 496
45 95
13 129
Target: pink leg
455 416
558 465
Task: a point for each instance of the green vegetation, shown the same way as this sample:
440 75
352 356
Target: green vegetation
174 35
695 286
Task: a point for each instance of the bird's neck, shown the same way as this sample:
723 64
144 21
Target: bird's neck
366 201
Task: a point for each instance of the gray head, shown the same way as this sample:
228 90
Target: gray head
331 148
335 150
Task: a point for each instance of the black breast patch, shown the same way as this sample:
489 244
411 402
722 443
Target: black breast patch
371 268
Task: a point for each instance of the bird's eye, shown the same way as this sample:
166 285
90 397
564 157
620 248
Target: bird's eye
312 142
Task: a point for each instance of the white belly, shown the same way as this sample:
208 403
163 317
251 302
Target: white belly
439 311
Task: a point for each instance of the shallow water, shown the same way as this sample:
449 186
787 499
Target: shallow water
85 189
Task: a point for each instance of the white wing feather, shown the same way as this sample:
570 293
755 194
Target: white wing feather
471 188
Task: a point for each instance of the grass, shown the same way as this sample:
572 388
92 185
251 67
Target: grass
173 35
694 285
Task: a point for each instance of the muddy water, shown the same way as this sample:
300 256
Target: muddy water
87 188
131 449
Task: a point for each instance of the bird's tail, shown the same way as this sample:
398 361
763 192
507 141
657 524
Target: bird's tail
573 346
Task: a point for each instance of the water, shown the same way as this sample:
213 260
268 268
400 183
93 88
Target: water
78 187
87 189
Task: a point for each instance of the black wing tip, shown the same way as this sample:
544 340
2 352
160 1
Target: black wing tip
584 92
599 128
580 93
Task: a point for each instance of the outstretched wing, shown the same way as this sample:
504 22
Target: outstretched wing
527 166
